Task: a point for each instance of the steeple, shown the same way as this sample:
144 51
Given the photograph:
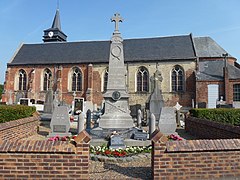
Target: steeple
56 22
55 34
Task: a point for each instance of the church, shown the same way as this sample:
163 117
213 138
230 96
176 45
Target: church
196 71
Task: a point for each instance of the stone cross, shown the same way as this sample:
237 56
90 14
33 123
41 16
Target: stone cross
157 78
117 18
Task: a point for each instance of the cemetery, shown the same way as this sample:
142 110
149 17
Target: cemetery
74 140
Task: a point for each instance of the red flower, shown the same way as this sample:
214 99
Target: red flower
64 138
71 118
107 152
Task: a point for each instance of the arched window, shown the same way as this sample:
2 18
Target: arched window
22 80
236 92
105 80
142 80
47 76
177 79
76 79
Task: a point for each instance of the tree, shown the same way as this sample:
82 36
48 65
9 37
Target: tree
1 90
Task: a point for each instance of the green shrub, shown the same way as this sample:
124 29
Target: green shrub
13 112
228 116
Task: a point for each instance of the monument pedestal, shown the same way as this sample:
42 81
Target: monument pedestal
116 115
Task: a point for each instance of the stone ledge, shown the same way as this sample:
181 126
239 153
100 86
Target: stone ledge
203 145
36 146
136 157
18 122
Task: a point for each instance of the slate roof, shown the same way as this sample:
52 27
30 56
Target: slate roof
213 70
135 50
207 47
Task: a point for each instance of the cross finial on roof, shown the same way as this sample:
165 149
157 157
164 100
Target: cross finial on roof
117 18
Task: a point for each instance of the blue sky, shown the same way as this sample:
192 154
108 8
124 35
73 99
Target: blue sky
23 21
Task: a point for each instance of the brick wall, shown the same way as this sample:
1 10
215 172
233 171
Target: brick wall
45 159
194 159
18 129
205 129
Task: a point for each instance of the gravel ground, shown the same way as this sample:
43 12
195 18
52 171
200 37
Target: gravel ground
129 170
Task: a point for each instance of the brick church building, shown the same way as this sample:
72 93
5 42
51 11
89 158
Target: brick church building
195 71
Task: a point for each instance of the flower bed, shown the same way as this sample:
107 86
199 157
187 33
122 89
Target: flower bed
128 151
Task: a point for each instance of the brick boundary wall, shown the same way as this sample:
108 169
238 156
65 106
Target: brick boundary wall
18 129
45 159
205 129
194 159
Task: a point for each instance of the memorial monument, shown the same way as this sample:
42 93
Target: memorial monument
117 114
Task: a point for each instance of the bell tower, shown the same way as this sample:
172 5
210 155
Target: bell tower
55 34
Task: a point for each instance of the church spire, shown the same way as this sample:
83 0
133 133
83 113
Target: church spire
55 34
56 22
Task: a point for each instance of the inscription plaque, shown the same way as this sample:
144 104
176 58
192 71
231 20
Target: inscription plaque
59 128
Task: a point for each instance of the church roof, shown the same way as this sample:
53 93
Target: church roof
213 70
135 50
207 47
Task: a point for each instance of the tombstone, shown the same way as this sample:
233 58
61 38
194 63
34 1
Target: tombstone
78 105
55 101
140 135
152 124
10 101
156 99
89 117
80 122
60 123
116 142
24 101
178 107
48 104
139 118
134 110
18 96
167 122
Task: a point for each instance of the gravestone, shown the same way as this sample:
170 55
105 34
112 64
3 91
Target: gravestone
24 101
116 141
156 99
48 104
139 118
152 124
134 110
167 122
178 107
60 123
10 101
140 135
78 105
55 101
80 126
18 96
117 114
88 120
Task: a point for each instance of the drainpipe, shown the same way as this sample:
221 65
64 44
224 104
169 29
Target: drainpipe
226 78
